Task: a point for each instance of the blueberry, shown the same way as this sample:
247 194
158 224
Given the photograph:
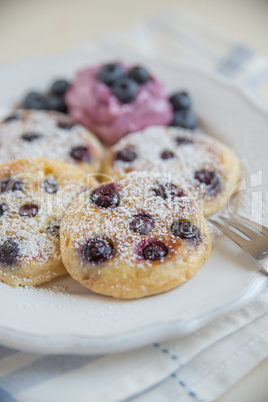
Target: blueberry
180 100
31 136
209 178
57 103
185 119
2 209
167 155
53 228
109 73
50 186
125 89
28 210
142 224
97 250
184 140
168 190
9 252
59 88
35 100
106 196
126 155
155 251
66 125
9 184
185 230
139 74
11 118
80 154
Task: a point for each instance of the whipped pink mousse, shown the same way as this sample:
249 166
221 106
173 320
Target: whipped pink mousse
92 103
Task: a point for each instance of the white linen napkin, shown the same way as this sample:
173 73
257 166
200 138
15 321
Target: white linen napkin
175 36
200 367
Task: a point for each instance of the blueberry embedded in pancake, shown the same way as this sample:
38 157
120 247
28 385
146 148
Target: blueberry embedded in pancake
106 196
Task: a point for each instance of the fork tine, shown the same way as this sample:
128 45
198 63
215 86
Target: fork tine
230 233
240 226
258 227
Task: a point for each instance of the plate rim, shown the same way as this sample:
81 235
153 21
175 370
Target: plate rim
98 345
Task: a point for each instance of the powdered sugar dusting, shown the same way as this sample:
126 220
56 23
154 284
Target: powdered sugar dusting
35 241
136 196
201 152
53 142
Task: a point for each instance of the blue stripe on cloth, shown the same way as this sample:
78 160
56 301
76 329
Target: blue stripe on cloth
258 78
5 352
5 396
235 60
42 370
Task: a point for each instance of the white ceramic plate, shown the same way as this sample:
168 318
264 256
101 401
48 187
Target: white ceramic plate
63 317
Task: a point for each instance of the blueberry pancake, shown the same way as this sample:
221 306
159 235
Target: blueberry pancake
136 237
34 195
36 133
205 167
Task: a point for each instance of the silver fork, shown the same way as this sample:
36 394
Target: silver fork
255 239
